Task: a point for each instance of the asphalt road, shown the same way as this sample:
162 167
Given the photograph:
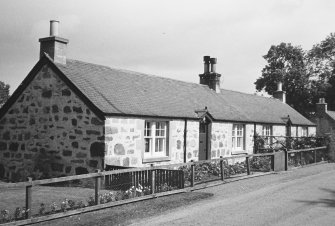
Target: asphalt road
304 196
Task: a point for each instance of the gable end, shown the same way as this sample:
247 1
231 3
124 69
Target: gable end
45 60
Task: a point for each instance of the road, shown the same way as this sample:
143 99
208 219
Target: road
303 196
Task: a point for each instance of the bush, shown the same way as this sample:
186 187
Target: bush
206 171
262 164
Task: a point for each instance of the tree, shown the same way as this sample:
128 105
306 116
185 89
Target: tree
321 62
4 93
306 75
286 64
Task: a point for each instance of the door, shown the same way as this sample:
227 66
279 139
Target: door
288 136
203 141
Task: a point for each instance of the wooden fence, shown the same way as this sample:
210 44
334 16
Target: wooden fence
306 156
154 176
153 179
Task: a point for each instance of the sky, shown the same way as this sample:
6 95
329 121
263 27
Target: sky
166 38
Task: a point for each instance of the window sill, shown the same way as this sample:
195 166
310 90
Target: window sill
156 159
242 152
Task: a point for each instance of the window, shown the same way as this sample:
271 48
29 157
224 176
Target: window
304 131
155 138
238 137
266 134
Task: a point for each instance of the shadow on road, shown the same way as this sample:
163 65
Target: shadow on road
330 202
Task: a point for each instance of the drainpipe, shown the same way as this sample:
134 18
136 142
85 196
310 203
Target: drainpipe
254 138
185 139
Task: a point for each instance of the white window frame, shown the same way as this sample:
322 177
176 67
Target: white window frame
267 133
304 131
238 137
155 139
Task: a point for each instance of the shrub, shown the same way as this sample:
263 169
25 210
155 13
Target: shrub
91 201
63 205
118 195
208 170
41 211
261 163
53 207
107 197
5 216
81 204
165 187
72 204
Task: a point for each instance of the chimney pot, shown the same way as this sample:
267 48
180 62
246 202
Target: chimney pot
54 27
213 64
213 60
207 59
206 63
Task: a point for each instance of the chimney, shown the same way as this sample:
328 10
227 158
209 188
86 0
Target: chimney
53 45
321 107
280 94
213 64
210 77
206 63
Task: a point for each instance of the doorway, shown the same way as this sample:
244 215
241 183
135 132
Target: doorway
204 140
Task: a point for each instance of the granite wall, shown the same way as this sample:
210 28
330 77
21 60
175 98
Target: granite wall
49 132
125 142
221 140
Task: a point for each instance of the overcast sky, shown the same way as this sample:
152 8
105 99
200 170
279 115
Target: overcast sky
163 37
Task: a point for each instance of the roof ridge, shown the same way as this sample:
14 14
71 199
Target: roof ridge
136 93
251 94
171 79
137 73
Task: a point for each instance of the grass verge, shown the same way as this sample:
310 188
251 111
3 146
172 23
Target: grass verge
126 214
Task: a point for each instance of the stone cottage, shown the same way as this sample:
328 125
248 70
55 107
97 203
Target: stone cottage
70 117
325 121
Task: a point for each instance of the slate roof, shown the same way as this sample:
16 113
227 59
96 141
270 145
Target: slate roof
331 114
122 92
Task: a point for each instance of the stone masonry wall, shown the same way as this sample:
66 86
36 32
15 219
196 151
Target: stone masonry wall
312 131
49 132
279 130
176 142
220 140
192 141
125 142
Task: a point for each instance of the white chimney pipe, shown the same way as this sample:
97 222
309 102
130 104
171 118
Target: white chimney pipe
279 86
54 27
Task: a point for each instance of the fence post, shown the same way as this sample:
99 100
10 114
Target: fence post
97 187
192 173
153 182
315 156
286 159
248 165
28 199
273 161
222 169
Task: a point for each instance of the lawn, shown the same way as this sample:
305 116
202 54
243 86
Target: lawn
119 215
13 198
128 213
